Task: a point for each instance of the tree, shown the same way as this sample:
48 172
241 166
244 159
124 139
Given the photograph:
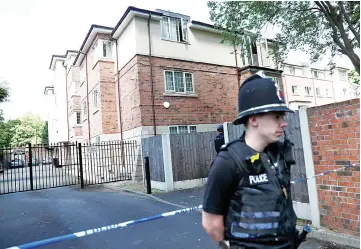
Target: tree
29 131
314 27
4 95
354 77
7 130
45 134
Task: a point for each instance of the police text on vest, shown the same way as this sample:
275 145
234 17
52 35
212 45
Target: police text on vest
262 178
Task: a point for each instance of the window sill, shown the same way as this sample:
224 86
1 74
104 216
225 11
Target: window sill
180 42
295 94
309 95
191 95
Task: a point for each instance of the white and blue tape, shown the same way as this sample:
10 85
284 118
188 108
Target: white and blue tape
40 243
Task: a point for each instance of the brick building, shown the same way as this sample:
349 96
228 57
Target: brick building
160 72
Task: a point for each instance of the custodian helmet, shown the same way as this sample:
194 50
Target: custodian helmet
259 95
220 128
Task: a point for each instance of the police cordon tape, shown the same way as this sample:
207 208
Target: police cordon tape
45 242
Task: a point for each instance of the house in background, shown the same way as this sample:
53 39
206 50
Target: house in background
309 86
161 72
63 97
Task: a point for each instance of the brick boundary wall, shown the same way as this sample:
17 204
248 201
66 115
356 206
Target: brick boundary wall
335 137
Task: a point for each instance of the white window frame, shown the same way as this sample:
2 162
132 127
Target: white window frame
315 74
341 73
179 21
85 109
96 98
344 91
188 128
292 70
108 49
308 94
184 82
294 88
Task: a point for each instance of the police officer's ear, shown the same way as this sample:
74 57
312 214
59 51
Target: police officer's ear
251 121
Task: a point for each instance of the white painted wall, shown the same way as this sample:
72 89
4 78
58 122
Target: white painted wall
203 46
127 45
61 133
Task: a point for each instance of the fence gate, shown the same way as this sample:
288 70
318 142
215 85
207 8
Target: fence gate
35 167
38 167
108 161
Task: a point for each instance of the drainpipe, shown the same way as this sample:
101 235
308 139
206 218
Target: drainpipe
119 102
314 90
235 58
67 100
151 76
87 92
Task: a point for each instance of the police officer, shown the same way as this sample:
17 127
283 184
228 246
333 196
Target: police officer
219 139
247 201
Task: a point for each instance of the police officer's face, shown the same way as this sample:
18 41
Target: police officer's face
271 126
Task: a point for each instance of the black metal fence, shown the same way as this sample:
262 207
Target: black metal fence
36 167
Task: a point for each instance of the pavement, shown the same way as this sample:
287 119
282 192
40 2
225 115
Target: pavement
36 215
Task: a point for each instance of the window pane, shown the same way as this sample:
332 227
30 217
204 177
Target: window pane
173 29
192 129
189 82
169 82
178 82
173 130
165 28
183 129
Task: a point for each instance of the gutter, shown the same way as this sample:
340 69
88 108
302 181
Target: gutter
151 76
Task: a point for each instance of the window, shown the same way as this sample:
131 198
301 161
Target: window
84 109
343 75
174 29
97 139
181 129
344 91
308 91
294 90
315 74
327 93
78 119
179 82
95 98
318 91
292 70
106 49
77 86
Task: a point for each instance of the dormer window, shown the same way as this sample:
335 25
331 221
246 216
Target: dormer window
174 29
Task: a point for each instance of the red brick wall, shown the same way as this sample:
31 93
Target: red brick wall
130 95
108 98
335 135
216 91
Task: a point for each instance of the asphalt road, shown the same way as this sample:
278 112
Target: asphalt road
29 216
36 215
